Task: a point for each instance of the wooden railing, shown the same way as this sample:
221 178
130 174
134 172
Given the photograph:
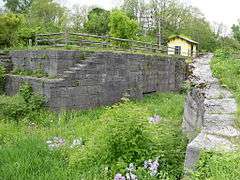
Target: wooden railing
83 40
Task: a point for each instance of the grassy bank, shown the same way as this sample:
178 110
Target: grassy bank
109 139
227 69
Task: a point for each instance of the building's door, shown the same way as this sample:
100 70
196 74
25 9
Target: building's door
178 50
191 50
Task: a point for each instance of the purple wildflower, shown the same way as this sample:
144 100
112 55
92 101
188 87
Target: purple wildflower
55 143
154 119
152 166
119 176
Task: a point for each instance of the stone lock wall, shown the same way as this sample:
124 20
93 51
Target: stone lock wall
49 61
98 79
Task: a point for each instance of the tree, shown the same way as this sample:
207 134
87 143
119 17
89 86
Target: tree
134 8
48 15
43 16
9 24
236 31
200 30
17 6
121 26
97 22
79 17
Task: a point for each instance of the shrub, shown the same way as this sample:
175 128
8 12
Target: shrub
33 101
26 92
223 54
97 22
121 26
17 107
9 24
12 108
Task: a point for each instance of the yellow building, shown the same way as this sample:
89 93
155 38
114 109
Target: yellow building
180 45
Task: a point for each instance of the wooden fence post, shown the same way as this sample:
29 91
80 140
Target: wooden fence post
66 37
36 40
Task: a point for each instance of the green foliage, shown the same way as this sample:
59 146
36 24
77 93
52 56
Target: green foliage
236 31
114 137
97 22
222 54
131 7
18 6
43 16
128 137
27 30
36 73
47 14
200 30
228 44
78 18
2 79
26 92
121 26
12 108
9 24
17 107
218 166
227 69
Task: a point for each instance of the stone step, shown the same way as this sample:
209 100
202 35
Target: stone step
74 69
67 74
227 131
81 65
215 91
207 142
220 106
217 122
210 120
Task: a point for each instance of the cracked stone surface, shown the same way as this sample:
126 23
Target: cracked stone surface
209 113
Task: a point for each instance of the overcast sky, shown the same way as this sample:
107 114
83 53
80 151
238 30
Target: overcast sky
220 11
225 11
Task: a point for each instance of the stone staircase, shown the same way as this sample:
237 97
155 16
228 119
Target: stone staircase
79 68
209 117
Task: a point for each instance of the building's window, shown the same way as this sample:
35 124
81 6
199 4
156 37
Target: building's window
178 50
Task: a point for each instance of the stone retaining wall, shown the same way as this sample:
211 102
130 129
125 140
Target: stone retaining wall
100 79
52 62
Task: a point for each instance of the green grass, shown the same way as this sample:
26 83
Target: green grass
214 166
114 136
95 49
